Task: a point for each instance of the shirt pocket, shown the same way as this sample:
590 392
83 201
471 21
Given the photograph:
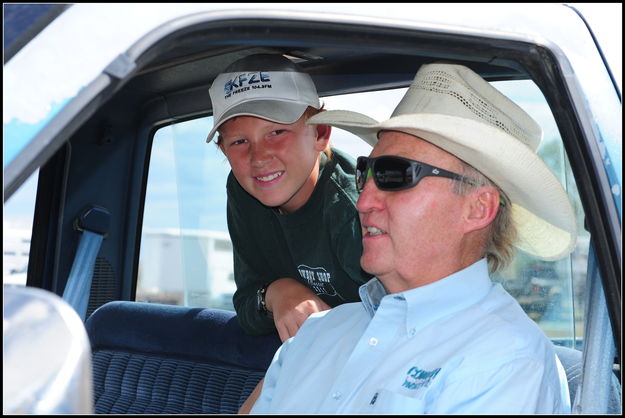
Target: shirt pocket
388 402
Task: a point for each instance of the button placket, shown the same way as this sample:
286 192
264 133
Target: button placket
370 352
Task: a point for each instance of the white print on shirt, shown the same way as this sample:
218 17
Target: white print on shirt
318 278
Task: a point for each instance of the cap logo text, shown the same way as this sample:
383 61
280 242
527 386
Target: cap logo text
245 81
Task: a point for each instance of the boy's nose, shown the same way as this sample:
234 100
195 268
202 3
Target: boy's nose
259 155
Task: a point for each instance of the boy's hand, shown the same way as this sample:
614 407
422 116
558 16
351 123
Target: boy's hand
291 303
249 402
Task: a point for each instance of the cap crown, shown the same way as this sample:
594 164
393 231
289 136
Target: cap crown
266 86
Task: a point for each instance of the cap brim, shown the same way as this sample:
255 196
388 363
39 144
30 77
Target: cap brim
273 110
537 196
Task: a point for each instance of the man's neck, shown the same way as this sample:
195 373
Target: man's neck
397 283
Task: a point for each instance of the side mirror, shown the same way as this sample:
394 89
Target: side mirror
47 355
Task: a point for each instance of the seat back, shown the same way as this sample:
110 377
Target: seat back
571 360
153 358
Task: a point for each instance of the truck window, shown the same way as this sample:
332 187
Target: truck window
186 253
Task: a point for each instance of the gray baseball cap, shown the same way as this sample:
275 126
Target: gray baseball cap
267 86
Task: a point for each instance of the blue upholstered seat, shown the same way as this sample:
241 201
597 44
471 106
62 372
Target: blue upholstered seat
152 358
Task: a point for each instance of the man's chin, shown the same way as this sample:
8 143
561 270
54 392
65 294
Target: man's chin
370 264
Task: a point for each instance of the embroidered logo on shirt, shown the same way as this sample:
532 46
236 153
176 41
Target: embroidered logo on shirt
318 278
417 378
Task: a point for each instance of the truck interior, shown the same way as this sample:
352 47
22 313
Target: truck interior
98 154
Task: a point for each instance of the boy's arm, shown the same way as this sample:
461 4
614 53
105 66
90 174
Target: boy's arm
245 298
249 402
248 276
291 303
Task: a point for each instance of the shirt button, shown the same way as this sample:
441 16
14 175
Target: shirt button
373 342
412 332
336 395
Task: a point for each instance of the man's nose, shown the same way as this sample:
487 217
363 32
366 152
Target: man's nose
370 197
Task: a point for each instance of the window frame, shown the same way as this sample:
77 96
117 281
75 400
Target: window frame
545 62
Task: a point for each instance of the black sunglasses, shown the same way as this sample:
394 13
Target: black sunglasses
392 173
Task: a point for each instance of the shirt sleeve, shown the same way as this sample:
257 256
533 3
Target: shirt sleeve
263 403
343 221
248 279
517 387
349 249
244 299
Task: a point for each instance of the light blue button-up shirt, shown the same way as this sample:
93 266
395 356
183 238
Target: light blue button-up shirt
459 345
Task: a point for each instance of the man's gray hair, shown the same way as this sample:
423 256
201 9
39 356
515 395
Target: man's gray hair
499 248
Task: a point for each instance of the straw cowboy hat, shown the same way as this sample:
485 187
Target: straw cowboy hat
455 109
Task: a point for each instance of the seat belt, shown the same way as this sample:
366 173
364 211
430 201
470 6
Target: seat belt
94 224
595 389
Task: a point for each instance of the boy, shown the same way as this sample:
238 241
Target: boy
291 198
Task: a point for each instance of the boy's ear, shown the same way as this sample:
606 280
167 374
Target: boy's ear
323 135
220 142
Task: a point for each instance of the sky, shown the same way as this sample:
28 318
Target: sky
605 20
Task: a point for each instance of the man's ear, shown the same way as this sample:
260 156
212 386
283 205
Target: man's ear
323 136
482 208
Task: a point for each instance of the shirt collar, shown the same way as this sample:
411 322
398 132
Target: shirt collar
425 304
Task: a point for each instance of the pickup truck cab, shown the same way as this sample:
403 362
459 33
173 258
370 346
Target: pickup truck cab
106 114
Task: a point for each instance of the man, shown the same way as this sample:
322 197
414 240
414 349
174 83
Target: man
452 182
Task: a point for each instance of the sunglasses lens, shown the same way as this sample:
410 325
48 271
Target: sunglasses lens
392 173
361 173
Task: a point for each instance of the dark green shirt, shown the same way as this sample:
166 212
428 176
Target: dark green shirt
319 244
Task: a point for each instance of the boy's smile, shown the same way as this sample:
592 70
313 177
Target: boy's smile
270 177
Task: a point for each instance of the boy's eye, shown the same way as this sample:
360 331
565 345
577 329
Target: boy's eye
278 131
238 142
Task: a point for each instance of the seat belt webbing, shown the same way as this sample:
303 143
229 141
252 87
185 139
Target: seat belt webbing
94 224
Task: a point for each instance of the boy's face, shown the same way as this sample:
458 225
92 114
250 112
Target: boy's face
275 163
